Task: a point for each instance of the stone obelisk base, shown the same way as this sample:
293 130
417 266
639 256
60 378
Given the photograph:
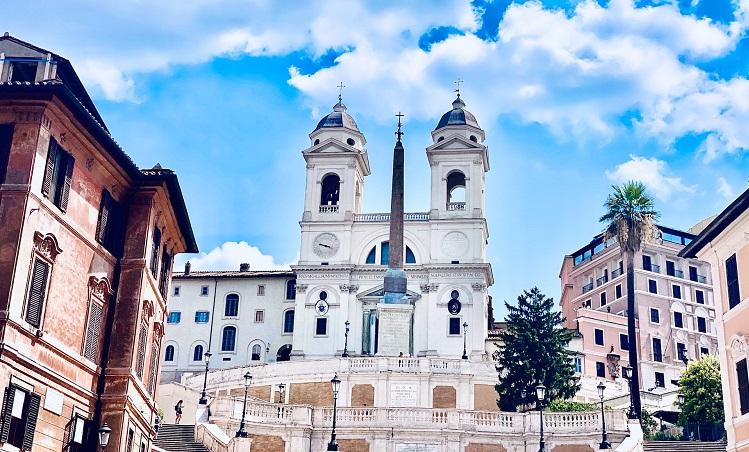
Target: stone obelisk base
394 330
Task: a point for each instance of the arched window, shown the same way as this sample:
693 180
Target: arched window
410 257
291 289
231 307
331 185
288 321
169 353
256 350
473 138
317 141
371 256
284 353
228 339
456 190
197 353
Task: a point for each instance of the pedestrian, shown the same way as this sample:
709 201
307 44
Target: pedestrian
178 411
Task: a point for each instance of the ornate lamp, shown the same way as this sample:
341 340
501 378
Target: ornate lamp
104 432
604 441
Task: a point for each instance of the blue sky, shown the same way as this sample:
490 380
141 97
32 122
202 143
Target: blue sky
573 95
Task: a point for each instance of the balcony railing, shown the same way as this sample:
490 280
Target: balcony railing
384 217
679 273
652 268
700 279
456 206
588 287
616 273
602 280
329 209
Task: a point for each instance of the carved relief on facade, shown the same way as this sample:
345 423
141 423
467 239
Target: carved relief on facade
33 117
46 245
739 346
426 288
148 310
478 287
612 362
350 288
301 288
99 287
158 330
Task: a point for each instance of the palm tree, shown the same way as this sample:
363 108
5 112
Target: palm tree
630 218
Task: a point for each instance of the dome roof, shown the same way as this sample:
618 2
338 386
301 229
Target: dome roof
458 116
337 118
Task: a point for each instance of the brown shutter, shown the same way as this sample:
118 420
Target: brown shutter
154 369
67 437
10 394
37 292
141 351
49 171
31 415
93 332
69 163
102 224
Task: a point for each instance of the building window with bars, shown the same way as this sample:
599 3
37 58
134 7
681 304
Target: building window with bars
58 175
259 316
260 290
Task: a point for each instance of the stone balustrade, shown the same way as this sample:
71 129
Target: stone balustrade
385 217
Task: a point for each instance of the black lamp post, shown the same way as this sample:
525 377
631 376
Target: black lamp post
345 342
465 333
104 432
605 444
627 371
336 383
281 393
207 358
540 396
267 351
241 433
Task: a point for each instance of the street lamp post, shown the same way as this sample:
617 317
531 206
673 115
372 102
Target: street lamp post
628 376
336 383
465 333
540 396
203 399
281 393
523 394
604 441
345 342
242 433
104 433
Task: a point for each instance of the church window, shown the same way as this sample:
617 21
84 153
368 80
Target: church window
456 190
454 326
317 141
384 253
473 138
231 308
291 289
256 350
288 321
371 256
331 185
197 353
440 139
321 326
169 353
323 295
410 258
228 339
350 141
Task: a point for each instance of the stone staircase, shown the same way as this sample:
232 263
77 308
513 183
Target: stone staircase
180 438
686 446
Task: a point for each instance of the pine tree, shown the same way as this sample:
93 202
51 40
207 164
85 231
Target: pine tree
533 350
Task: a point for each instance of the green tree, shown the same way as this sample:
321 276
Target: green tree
703 396
630 218
533 350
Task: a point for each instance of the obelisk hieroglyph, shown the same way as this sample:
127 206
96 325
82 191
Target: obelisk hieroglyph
395 313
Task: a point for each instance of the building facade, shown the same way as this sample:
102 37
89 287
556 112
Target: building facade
675 315
724 243
85 264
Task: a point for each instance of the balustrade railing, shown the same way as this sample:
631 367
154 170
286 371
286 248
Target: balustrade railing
329 209
456 206
382 217
588 287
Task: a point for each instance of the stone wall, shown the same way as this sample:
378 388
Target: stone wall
478 447
443 397
267 443
353 445
573 448
315 394
257 392
362 395
485 398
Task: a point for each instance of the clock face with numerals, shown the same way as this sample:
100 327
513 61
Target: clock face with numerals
325 245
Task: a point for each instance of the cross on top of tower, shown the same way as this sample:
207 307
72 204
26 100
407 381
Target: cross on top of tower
457 84
399 133
340 91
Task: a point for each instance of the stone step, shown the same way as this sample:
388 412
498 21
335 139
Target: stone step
178 438
686 446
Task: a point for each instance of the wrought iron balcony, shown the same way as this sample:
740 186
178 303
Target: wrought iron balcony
587 287
616 273
602 280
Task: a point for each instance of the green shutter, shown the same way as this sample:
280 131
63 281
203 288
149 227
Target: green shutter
31 416
37 292
49 171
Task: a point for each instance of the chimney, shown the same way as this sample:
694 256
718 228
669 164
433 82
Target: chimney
244 267
187 267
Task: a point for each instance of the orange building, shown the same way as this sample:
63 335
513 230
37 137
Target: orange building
724 243
86 247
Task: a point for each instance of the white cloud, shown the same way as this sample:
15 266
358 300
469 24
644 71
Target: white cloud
651 172
725 189
228 256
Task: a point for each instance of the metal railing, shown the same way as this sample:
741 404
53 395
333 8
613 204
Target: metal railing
652 268
328 209
616 273
588 287
602 280
456 206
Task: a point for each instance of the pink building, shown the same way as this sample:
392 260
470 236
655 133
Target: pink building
675 309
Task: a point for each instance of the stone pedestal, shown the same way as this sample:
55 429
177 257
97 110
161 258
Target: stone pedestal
394 330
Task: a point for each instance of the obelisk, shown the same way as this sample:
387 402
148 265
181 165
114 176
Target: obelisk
395 312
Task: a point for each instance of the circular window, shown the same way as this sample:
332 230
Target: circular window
317 141
323 295
440 139
454 294
473 138
350 142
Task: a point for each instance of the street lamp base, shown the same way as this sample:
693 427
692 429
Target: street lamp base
542 446
332 446
604 445
242 434
203 401
464 357
344 355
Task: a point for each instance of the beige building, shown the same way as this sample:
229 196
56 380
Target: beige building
675 310
725 245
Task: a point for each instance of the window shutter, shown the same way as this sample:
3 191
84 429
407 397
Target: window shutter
743 383
67 438
10 393
49 171
102 224
37 291
93 332
732 280
154 367
155 245
31 417
69 163
141 351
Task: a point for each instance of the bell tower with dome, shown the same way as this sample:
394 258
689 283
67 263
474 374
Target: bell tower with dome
459 160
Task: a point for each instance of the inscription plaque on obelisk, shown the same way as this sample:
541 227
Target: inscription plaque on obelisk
395 312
